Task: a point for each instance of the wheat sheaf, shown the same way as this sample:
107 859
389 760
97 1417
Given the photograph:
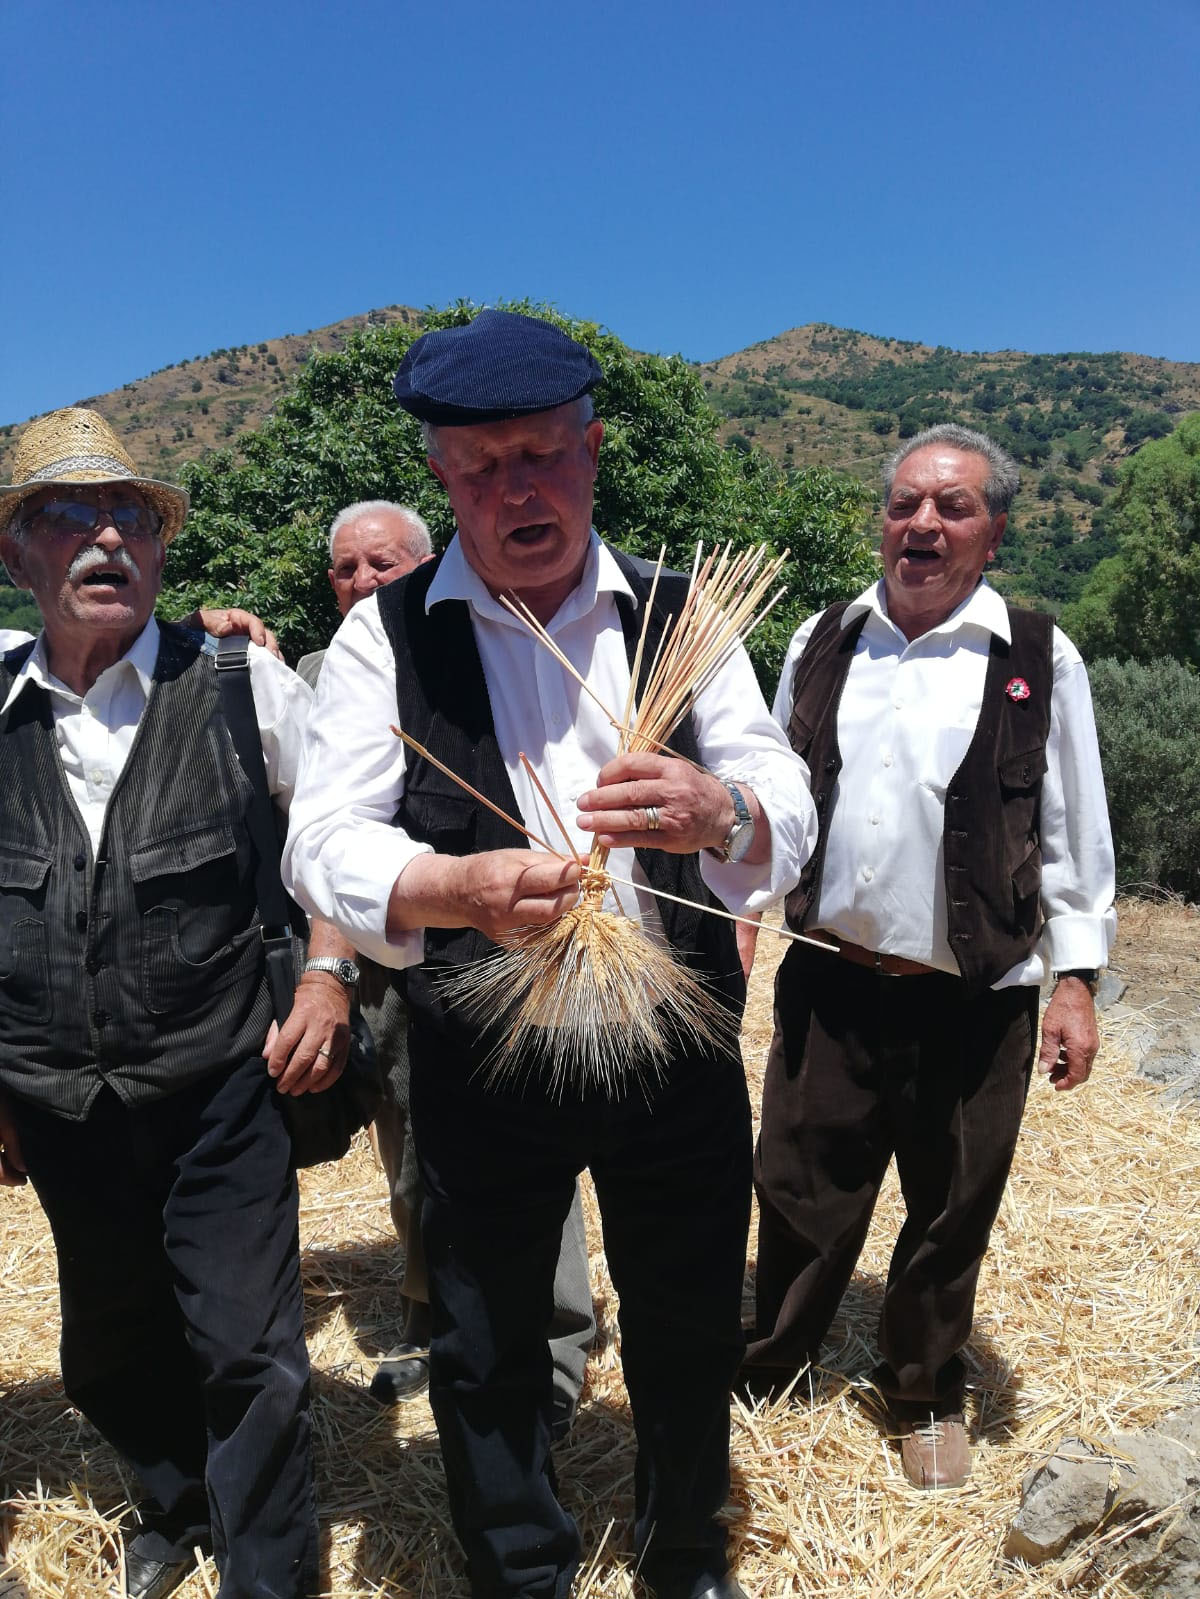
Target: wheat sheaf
590 1001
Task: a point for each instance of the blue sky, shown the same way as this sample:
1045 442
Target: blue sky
180 176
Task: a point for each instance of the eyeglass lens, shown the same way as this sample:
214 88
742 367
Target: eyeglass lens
80 516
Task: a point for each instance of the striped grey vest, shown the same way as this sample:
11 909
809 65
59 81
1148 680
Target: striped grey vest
144 967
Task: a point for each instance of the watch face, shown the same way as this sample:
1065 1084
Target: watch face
740 840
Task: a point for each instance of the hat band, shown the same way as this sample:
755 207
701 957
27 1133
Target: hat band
79 463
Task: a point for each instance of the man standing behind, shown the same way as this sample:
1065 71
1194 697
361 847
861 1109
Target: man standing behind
416 871
964 848
372 543
133 1017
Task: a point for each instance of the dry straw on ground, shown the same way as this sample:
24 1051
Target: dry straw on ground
1087 1324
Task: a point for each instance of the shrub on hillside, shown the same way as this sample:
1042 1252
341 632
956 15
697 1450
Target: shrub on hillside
256 534
1148 720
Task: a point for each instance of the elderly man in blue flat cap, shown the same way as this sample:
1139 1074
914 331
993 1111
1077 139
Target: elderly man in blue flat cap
419 875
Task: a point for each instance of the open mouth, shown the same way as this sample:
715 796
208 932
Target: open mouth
108 578
531 534
912 553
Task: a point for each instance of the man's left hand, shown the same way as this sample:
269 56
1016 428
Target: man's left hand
1070 1039
223 623
694 809
306 1055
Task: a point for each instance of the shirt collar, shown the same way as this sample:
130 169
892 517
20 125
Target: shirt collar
140 656
455 579
983 609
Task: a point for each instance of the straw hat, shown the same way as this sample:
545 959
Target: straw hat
73 446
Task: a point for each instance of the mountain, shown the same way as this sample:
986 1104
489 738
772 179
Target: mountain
836 397
183 411
815 395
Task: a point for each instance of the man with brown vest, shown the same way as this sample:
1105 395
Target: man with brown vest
964 850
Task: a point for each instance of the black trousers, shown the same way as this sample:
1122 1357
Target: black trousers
672 1174
182 1318
863 1066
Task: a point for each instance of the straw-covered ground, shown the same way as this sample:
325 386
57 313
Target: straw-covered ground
1087 1324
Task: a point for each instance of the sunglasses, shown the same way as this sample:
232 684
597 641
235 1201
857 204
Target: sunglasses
81 516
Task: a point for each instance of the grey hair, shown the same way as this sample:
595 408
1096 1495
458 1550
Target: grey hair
419 543
1004 476
18 531
584 409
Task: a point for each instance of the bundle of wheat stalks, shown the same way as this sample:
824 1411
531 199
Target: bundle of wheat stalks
590 1001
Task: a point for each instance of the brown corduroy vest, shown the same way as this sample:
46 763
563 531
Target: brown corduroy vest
991 839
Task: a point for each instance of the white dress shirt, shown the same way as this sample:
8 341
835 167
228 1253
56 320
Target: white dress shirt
906 718
95 731
343 854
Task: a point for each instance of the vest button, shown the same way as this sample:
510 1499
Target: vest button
829 765
81 921
92 965
80 862
101 1018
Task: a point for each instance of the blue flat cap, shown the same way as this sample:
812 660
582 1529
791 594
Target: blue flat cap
497 366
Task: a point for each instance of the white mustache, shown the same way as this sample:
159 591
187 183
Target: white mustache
87 560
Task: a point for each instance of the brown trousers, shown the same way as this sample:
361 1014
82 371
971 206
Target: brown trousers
864 1066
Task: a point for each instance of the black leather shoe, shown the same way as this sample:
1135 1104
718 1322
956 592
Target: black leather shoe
152 1579
724 1588
402 1374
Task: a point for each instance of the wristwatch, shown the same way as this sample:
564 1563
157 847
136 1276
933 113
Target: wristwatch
337 966
1085 974
741 835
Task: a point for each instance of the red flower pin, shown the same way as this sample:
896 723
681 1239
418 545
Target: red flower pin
1017 688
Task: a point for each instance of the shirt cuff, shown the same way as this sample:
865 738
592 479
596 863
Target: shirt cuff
746 890
1078 942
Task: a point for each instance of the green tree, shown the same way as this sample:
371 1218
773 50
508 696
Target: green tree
1145 601
256 535
1148 723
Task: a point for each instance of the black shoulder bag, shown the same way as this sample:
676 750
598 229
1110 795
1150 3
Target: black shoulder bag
321 1125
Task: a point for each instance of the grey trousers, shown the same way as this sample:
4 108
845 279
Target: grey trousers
572 1329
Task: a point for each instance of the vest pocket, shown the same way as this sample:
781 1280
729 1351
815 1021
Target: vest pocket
442 816
1023 771
24 948
1027 885
173 982
800 734
25 981
199 935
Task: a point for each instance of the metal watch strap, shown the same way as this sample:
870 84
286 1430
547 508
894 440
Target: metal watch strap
741 816
337 966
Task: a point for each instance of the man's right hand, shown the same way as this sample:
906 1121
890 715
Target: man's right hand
12 1162
495 892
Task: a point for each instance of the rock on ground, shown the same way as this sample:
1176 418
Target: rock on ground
1146 1483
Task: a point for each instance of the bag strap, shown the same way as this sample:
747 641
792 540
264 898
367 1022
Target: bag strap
237 704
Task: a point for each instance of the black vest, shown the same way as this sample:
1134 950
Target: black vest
143 968
443 702
991 834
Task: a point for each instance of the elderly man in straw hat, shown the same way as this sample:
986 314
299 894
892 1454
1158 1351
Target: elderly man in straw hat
414 871
134 1015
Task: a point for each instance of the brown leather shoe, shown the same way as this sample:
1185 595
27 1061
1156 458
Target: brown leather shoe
935 1452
